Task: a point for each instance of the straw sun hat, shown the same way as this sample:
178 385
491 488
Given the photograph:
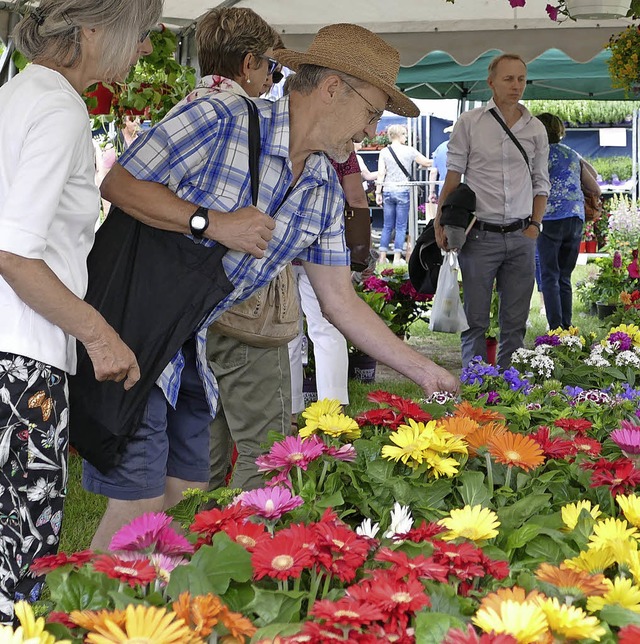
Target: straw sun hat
358 52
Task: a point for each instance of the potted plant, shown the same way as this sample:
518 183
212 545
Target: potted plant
623 64
589 236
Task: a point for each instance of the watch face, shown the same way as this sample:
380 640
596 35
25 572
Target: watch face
198 222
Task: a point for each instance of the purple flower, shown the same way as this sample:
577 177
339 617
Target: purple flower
552 340
572 392
628 392
623 340
493 398
552 12
512 377
617 260
517 3
477 370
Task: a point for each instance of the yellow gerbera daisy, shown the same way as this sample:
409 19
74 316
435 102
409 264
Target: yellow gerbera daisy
91 620
571 513
621 591
144 625
411 440
571 622
442 466
526 622
317 409
30 629
471 522
336 425
609 532
592 561
630 506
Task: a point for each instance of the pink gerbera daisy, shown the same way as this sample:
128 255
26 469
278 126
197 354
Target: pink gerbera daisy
141 533
270 503
291 452
627 438
345 453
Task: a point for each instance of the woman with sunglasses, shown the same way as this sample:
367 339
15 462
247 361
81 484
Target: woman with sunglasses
49 204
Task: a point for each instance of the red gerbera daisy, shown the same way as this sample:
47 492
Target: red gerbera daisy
280 558
424 532
380 418
629 635
553 447
44 565
59 617
417 567
383 397
340 550
603 464
346 611
578 425
395 596
410 409
210 522
588 446
619 479
458 636
246 533
132 572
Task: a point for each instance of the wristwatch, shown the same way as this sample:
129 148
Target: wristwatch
537 224
199 222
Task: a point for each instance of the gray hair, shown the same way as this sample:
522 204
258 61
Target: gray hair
53 31
309 77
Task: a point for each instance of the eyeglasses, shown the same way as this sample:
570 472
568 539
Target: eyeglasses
272 64
145 35
277 76
377 114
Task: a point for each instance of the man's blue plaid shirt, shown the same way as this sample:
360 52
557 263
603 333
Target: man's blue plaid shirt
200 152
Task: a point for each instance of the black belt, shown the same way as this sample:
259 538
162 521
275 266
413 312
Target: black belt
497 228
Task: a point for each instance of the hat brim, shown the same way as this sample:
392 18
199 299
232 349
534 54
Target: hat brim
398 102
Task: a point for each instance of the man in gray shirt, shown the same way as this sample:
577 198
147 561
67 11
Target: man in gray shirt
511 197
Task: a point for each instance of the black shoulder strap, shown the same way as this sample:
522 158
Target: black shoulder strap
505 127
254 149
393 154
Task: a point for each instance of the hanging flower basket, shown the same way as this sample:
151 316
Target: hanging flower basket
597 9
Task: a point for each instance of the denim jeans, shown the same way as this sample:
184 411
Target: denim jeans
396 215
558 248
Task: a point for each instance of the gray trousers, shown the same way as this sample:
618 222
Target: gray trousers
255 397
508 260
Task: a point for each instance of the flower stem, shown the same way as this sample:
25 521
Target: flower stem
507 480
327 583
487 458
299 479
325 467
316 578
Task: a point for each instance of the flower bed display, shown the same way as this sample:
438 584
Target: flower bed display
505 515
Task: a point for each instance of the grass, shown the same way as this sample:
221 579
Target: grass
83 510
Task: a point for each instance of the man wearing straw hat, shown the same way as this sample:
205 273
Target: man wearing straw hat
195 163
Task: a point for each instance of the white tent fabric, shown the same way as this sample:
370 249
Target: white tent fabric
465 29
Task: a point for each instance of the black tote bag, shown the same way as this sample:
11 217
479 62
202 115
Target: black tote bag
153 287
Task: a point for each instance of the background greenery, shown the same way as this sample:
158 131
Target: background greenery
575 113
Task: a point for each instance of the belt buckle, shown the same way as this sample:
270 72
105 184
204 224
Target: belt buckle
502 228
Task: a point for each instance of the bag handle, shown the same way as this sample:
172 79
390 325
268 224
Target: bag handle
505 127
254 149
404 170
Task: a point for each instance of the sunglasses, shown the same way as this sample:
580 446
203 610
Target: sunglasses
271 66
145 35
277 76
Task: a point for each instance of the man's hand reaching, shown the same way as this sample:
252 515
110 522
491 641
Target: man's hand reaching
246 230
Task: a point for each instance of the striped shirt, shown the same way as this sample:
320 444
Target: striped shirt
200 152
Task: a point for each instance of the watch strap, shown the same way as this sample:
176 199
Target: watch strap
537 224
200 212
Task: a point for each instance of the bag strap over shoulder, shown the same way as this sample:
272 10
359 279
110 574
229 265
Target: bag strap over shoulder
511 135
254 149
395 158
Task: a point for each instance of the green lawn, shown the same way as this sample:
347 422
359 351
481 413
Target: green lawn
83 510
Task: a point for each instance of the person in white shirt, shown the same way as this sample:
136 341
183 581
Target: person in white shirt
48 205
511 197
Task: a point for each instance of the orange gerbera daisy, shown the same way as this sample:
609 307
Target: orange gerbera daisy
237 624
481 415
516 449
514 594
200 613
483 435
93 620
577 583
459 425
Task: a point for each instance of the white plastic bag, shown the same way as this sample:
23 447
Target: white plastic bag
447 314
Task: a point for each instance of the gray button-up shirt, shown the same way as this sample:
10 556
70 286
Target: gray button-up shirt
494 168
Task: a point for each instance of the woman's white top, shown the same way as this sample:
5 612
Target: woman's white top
395 179
48 202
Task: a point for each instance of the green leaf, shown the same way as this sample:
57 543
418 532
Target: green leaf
521 537
431 628
618 616
272 631
473 489
82 593
277 606
545 549
514 515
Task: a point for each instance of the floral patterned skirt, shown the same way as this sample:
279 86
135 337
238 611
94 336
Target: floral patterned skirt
34 436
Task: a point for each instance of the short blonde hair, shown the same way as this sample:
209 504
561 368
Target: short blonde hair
225 35
498 59
395 131
53 31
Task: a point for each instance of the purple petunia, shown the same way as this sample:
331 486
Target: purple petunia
552 340
477 370
516 383
622 340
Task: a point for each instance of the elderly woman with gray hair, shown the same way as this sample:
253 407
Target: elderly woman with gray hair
48 207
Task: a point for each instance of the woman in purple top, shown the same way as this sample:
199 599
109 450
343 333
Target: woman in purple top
559 242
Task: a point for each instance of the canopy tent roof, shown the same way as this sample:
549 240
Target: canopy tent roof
552 75
465 29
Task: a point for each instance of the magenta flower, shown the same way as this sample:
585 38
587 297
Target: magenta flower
151 531
291 452
552 12
622 340
627 438
633 271
270 503
346 453
517 3
617 260
141 533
